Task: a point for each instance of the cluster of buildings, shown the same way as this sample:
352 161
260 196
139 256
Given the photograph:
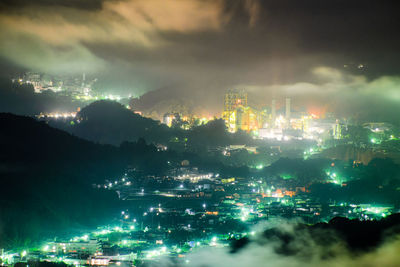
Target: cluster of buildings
172 216
281 124
238 115
268 122
75 86
69 84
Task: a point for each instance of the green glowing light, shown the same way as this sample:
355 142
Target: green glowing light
286 176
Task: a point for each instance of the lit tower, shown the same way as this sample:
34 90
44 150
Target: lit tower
234 98
288 111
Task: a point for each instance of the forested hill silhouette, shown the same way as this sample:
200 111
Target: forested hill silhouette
109 122
46 178
24 139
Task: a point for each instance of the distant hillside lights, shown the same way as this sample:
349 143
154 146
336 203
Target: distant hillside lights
57 115
184 122
78 87
168 119
42 82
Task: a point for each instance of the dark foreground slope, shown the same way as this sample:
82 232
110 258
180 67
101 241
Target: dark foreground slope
46 178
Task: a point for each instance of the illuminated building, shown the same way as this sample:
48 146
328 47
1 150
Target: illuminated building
318 127
183 121
306 122
273 113
238 115
79 247
168 119
227 180
378 127
301 122
34 79
264 118
337 130
287 113
297 124
243 118
246 119
233 99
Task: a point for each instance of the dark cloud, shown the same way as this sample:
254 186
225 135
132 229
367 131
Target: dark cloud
78 4
202 45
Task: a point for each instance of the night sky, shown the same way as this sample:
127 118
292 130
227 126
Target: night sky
202 48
